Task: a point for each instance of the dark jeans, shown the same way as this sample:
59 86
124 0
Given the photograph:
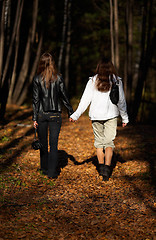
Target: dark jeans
49 161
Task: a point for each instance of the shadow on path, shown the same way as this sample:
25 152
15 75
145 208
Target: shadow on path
142 147
16 115
116 158
63 157
13 152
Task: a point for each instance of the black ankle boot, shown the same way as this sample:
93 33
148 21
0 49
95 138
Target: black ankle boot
106 173
101 167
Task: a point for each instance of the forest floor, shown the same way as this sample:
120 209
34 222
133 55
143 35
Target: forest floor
78 204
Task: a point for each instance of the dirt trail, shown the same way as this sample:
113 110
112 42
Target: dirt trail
78 204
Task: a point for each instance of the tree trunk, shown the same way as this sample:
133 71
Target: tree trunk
12 82
63 36
38 53
2 39
129 52
67 57
25 66
11 44
116 29
146 55
25 90
111 31
4 84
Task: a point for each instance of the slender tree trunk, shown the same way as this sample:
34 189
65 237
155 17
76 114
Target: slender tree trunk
25 66
2 39
11 43
129 52
146 55
67 58
12 83
25 90
116 29
38 53
111 31
63 35
8 43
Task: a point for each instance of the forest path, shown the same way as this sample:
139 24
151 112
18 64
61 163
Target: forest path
78 204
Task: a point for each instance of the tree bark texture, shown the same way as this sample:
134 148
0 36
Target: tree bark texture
2 39
116 30
147 45
129 52
111 31
64 29
25 66
13 78
11 44
67 57
9 40
33 70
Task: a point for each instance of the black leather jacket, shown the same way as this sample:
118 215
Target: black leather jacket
49 99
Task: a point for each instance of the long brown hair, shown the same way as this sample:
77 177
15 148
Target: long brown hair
47 68
105 70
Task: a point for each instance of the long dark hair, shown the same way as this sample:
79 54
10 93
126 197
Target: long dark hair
47 68
105 70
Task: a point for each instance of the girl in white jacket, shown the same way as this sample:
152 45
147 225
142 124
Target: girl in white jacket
103 112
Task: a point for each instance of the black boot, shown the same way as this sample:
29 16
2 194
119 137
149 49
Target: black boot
106 172
101 168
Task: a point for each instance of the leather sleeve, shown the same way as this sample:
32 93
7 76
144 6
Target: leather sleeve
64 96
35 98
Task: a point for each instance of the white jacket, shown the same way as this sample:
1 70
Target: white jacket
101 107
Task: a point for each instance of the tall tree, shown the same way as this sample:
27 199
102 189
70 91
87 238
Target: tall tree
147 45
13 78
25 66
129 53
32 73
68 45
64 29
116 33
2 38
8 48
11 44
112 31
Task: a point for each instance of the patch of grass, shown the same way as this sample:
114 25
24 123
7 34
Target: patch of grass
51 183
5 139
16 166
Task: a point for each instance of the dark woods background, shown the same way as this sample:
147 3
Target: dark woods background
78 33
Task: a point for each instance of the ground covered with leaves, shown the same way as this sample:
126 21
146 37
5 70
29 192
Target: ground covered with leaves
78 204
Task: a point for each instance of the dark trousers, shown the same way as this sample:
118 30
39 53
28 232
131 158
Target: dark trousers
51 121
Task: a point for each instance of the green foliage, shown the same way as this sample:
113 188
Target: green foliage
90 38
5 139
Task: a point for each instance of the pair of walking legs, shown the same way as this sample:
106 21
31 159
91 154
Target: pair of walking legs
104 133
107 155
49 161
104 160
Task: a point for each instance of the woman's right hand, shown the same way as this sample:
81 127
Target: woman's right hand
35 124
124 124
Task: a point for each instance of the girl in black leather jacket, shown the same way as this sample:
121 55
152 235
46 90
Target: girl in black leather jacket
48 92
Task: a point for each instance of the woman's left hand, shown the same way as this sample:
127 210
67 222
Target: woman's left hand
35 124
124 124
